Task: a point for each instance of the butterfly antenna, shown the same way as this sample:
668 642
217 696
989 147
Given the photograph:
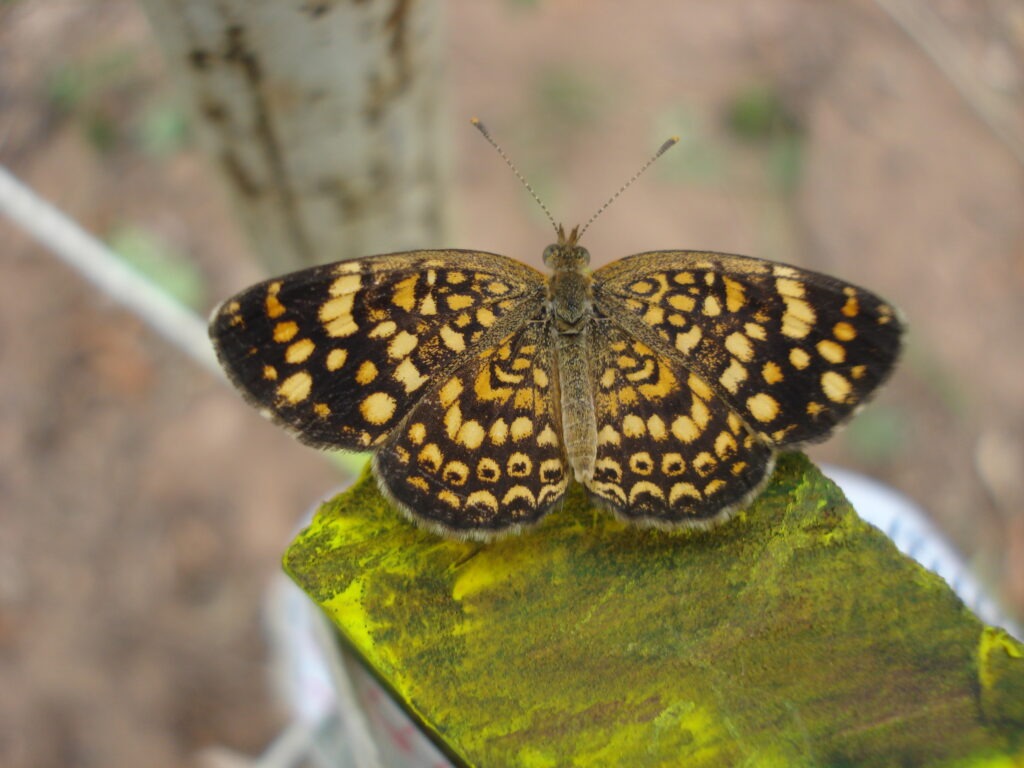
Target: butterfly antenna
661 151
486 134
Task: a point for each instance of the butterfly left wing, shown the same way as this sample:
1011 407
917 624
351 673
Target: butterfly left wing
794 352
339 353
481 453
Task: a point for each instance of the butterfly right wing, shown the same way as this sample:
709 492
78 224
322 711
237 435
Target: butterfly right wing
794 352
339 353
669 450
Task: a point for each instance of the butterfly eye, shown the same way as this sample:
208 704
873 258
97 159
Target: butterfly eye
549 254
583 254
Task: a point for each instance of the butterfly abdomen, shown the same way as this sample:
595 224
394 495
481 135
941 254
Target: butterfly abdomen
579 419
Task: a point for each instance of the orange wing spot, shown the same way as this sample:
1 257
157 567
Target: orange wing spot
349 283
798 318
836 387
338 308
763 407
735 296
733 376
336 358
832 352
799 358
788 287
771 373
299 352
685 342
366 373
451 391
274 306
296 387
656 427
682 303
285 331
404 296
844 331
417 433
740 346
383 330
452 339
685 430
378 408
402 345
755 331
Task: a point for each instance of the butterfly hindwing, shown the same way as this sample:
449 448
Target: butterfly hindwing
793 352
481 451
669 451
340 353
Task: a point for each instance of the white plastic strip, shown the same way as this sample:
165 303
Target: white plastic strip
97 264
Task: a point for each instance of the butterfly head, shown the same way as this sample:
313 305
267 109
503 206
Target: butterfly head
566 254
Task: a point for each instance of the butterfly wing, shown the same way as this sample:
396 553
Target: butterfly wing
793 352
481 452
669 450
340 353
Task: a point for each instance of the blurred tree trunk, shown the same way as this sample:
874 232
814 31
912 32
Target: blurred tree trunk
324 118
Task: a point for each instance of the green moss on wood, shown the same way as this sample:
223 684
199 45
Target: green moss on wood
795 635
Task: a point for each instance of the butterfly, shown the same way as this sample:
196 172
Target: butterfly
665 383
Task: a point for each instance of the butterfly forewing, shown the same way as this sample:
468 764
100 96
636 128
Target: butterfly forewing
340 353
669 450
482 451
793 352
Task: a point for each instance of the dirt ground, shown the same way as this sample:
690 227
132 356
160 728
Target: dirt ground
144 507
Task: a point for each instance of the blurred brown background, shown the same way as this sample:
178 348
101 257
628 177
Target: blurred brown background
144 507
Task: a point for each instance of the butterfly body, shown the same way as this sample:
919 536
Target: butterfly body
665 383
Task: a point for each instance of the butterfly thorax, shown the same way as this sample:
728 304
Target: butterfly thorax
569 296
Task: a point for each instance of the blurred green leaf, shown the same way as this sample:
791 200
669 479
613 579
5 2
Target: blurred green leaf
70 84
154 258
101 131
757 113
65 89
568 97
163 129
92 92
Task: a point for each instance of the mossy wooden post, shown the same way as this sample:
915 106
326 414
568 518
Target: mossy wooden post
323 118
796 635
